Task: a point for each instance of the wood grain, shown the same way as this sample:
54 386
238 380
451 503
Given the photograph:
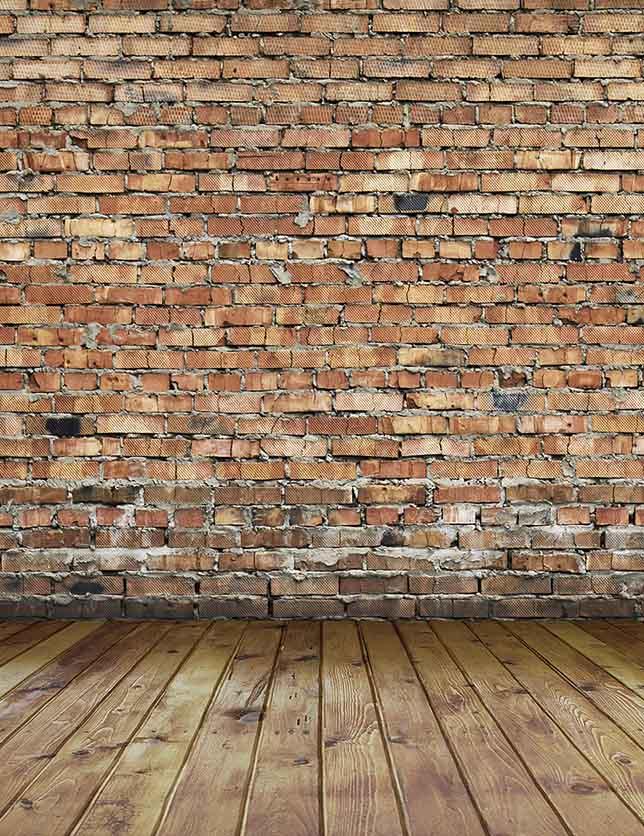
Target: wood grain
28 751
615 756
505 793
285 795
135 792
36 657
633 629
218 768
633 651
19 705
609 694
19 641
578 792
626 670
56 799
359 791
322 729
8 628
433 795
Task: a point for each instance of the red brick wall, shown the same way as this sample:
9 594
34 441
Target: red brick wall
321 307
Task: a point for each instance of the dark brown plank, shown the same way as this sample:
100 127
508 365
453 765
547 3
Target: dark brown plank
583 799
359 791
433 795
285 794
211 791
503 789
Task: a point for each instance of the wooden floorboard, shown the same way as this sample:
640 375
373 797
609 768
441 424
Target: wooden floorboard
136 790
19 641
285 796
611 659
508 799
8 628
321 729
36 655
360 797
210 794
430 785
608 749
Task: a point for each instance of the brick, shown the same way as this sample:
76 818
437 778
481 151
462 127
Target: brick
309 585
242 607
121 424
308 608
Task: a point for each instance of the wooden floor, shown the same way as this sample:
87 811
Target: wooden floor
336 728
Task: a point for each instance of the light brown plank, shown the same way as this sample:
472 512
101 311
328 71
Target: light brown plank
358 788
22 640
31 660
578 792
504 791
285 794
433 795
135 792
604 744
8 628
612 697
19 705
633 629
607 657
26 754
211 790
54 802
633 651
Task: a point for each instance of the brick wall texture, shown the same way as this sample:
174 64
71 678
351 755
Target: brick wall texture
321 308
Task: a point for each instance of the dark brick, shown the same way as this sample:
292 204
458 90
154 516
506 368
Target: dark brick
70 426
230 607
105 495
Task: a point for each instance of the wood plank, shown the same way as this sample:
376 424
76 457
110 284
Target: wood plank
612 697
8 628
628 672
359 793
507 797
603 743
285 793
135 792
19 705
633 651
27 752
54 802
432 792
22 640
29 661
580 795
211 791
633 629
